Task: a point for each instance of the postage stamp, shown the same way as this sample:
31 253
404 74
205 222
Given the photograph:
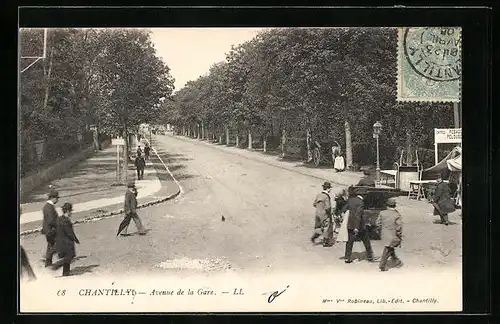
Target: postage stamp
429 64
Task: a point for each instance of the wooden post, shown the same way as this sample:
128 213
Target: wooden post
118 163
436 158
456 115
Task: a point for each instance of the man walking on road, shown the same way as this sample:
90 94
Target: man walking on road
140 163
65 240
130 210
443 204
323 224
392 233
356 226
49 225
147 150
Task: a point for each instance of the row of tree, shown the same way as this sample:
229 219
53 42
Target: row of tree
110 78
332 82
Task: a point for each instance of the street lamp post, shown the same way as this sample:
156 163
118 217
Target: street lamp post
377 127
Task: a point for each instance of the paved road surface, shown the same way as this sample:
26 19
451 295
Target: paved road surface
268 222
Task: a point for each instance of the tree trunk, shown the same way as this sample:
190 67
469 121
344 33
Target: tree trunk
283 143
125 155
227 135
308 145
264 144
249 140
203 131
237 139
47 74
348 145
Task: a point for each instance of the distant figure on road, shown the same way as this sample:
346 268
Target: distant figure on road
147 150
323 224
392 233
130 208
356 226
139 150
49 227
367 180
65 240
140 163
442 202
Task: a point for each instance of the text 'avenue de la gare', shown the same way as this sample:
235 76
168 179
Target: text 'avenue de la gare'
157 292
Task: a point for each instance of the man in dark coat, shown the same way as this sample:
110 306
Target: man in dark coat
367 180
147 151
49 225
323 224
356 226
65 240
391 233
140 163
130 207
443 204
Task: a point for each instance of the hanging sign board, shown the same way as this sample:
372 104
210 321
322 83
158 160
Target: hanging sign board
117 141
447 135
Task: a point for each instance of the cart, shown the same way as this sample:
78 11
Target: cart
375 201
322 152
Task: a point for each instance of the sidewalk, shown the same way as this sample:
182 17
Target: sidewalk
91 186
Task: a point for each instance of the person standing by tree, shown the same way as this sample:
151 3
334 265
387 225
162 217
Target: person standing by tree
323 224
442 202
130 208
392 233
140 163
49 228
65 240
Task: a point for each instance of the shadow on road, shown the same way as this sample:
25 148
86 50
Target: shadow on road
77 271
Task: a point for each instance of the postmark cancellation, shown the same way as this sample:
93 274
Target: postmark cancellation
429 64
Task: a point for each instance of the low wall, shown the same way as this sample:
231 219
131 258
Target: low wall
34 180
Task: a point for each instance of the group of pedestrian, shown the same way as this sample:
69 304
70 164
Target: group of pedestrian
59 234
354 225
140 161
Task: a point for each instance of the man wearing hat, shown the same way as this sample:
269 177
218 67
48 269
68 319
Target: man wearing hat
65 240
49 227
392 233
443 204
323 219
367 180
356 227
130 208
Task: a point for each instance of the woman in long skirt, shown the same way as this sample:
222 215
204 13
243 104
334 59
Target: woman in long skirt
341 220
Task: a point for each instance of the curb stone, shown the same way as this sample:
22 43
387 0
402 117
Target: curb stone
109 214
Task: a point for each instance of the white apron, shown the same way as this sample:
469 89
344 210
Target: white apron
339 163
342 235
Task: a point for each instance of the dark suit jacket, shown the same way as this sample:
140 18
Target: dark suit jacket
355 206
130 202
66 237
140 163
442 198
367 181
49 219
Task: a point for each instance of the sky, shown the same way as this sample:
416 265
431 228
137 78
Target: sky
189 52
